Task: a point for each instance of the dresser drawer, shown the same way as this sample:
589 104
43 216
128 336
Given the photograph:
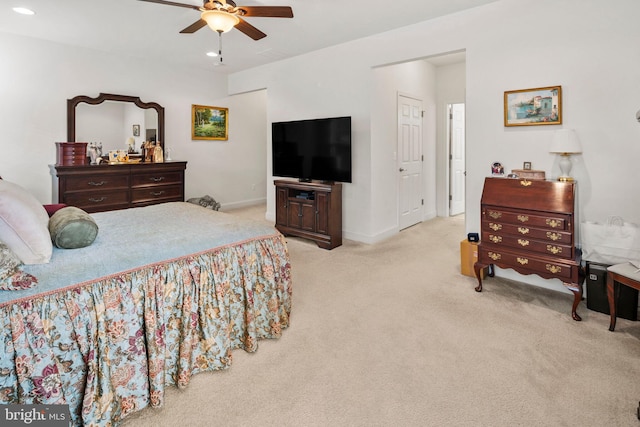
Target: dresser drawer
96 182
548 221
98 200
527 244
156 178
526 263
157 194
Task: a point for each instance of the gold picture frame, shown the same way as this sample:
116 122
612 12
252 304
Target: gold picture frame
533 107
209 123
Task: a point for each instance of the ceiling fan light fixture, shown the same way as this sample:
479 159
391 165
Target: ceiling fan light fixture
219 21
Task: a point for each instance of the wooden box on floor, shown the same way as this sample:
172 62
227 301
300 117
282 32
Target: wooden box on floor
468 257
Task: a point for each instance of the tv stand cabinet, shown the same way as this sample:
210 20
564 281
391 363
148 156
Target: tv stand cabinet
310 210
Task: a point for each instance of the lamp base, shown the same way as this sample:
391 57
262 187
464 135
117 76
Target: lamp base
565 179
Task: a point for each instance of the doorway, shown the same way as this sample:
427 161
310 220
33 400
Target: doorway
457 167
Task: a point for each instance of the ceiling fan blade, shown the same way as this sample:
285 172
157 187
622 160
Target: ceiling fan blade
194 27
266 11
172 3
250 30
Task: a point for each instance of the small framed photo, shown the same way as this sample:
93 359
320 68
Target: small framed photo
531 107
210 123
497 169
136 130
526 166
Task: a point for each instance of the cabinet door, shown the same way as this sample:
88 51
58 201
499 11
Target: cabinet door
294 215
308 219
281 206
322 205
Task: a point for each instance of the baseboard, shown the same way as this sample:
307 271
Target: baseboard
242 204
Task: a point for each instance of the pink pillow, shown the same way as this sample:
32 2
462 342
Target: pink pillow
24 224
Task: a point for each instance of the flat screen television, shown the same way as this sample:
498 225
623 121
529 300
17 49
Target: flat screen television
317 149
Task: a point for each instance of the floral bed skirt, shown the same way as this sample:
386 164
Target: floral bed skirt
109 347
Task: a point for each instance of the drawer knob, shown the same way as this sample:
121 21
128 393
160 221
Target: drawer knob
494 256
553 268
523 218
523 230
157 193
522 261
97 200
495 227
525 183
156 179
494 214
553 223
97 184
554 236
523 242
495 239
554 249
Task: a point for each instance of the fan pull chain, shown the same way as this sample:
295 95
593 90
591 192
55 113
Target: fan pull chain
220 45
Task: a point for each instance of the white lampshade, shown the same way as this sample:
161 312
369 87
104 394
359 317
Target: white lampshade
565 141
219 21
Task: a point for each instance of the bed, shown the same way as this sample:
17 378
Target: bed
163 293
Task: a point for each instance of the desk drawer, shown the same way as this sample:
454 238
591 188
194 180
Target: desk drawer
552 222
526 244
526 263
156 178
157 193
551 236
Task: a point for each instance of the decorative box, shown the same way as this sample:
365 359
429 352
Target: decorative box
71 153
529 174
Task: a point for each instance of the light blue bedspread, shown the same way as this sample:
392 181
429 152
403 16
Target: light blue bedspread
164 292
133 238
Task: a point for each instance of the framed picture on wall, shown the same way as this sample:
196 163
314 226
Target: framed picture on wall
136 130
211 123
531 107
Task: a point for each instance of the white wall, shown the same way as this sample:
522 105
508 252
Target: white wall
589 47
416 79
37 78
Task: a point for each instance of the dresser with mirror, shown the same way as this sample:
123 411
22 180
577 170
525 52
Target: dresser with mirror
114 121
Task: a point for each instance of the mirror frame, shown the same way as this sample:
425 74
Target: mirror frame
73 102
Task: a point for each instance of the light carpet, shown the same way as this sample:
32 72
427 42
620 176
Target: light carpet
392 334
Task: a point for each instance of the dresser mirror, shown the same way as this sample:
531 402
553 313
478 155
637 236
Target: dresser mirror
117 121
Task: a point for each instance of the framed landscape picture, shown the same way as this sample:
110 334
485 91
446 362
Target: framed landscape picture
210 123
531 107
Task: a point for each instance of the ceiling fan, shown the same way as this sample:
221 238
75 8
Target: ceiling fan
223 15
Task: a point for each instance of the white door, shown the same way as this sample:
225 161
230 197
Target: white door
410 161
457 165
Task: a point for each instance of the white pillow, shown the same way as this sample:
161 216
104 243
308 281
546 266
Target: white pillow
24 224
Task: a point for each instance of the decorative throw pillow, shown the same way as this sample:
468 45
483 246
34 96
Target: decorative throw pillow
8 261
23 224
11 277
72 228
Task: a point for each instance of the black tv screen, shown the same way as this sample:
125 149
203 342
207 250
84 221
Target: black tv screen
318 149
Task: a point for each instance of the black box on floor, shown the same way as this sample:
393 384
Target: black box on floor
627 303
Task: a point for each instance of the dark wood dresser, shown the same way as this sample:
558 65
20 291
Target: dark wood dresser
311 210
107 187
529 226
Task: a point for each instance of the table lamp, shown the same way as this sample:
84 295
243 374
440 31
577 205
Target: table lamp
565 142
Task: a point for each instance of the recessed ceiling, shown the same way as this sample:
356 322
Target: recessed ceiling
149 32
